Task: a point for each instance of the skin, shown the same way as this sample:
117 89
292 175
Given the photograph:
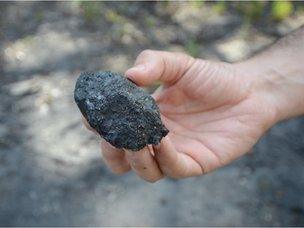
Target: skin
215 111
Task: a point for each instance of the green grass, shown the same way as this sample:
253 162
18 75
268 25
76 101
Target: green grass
91 10
281 10
192 48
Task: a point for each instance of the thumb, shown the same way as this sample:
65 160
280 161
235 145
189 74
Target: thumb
151 66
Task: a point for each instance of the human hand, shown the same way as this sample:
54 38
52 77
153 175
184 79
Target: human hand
212 110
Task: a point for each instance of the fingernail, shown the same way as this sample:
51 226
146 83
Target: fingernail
151 150
136 69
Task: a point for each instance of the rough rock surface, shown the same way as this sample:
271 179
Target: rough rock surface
122 113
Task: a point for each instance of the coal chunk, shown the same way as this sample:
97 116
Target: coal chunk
124 114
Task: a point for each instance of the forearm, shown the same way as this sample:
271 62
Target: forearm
278 75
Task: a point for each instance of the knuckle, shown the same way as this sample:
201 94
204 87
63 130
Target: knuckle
145 53
184 58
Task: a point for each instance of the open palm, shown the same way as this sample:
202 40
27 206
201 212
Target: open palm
211 110
212 115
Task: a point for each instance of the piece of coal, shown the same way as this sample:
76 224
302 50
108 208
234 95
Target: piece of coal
124 114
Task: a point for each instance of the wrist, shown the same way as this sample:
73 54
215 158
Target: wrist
279 84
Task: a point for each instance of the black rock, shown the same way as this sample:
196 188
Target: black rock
121 112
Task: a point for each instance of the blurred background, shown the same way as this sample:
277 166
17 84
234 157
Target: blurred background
51 171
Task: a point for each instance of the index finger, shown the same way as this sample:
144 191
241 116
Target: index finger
151 66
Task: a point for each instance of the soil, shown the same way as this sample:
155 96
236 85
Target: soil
51 171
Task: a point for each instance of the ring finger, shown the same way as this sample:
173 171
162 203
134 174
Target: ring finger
143 163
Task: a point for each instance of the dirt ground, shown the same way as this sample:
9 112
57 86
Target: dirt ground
51 171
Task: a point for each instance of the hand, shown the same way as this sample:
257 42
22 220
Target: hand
212 110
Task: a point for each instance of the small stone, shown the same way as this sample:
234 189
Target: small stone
122 113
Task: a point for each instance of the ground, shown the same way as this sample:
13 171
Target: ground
51 171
